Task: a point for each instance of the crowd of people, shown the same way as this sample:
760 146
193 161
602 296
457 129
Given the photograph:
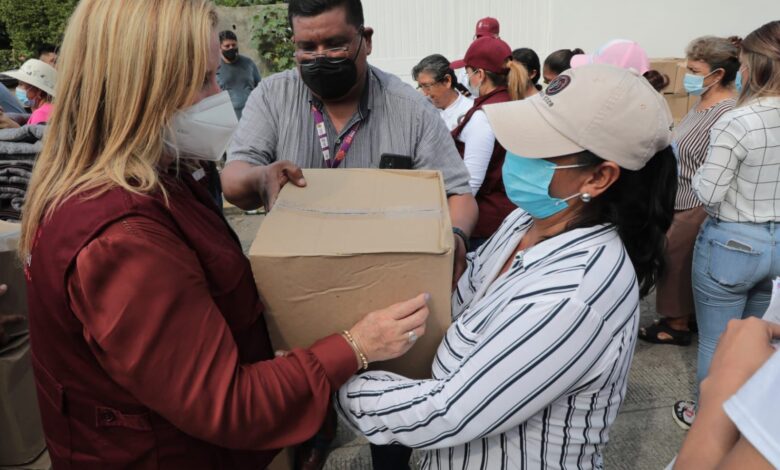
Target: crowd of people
572 196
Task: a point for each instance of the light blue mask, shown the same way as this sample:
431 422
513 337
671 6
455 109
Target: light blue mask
694 84
738 81
21 95
527 183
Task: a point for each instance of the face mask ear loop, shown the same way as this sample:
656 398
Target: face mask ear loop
564 167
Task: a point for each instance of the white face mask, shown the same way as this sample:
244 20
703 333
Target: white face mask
474 90
203 131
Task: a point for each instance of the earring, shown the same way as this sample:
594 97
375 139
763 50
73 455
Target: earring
586 198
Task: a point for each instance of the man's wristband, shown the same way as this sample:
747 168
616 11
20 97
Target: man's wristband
462 236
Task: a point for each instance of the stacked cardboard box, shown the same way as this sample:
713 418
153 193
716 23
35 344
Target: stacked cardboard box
678 99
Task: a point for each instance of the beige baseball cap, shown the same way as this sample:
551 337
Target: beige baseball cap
612 112
38 74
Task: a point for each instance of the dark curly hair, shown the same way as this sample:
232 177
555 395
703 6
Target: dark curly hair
640 204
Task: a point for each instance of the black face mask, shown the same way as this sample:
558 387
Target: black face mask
230 54
328 79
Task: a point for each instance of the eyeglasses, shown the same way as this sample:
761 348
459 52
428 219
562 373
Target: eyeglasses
335 55
428 86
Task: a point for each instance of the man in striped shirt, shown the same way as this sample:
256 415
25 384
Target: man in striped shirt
534 368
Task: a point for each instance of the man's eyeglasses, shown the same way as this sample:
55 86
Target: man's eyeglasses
335 55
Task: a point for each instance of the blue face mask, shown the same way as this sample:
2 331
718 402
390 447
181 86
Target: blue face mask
694 84
738 81
21 95
527 183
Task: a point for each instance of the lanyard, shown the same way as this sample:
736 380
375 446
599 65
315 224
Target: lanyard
322 133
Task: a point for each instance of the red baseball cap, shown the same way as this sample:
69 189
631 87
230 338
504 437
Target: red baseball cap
487 27
486 53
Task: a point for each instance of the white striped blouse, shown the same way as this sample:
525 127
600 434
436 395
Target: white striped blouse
534 367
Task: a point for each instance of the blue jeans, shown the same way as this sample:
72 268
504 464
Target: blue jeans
733 268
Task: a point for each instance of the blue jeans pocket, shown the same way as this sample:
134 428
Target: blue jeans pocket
733 264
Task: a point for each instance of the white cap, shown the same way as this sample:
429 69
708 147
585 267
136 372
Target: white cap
612 112
38 74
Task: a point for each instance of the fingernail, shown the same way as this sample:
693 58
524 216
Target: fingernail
427 297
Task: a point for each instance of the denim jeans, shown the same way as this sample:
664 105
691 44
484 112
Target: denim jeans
733 268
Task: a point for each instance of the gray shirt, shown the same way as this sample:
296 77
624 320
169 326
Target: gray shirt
238 78
278 125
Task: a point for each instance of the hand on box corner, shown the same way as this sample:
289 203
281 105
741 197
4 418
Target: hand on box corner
281 353
389 333
742 349
460 265
273 177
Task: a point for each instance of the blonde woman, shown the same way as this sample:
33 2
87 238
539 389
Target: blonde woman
149 344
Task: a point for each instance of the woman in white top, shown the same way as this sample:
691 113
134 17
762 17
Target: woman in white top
438 82
534 368
736 255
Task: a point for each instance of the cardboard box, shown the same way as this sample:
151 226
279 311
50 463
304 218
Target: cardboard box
12 274
20 421
351 242
675 69
678 105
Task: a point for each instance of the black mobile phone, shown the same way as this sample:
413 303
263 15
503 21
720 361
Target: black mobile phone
390 161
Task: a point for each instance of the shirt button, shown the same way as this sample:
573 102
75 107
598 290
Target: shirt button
338 141
107 416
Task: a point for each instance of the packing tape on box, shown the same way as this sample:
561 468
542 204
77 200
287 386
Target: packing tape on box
397 212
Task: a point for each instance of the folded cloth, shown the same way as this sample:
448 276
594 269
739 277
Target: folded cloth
21 143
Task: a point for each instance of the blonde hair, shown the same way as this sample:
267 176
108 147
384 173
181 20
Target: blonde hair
518 80
761 54
126 67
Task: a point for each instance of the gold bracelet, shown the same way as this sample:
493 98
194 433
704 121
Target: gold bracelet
363 360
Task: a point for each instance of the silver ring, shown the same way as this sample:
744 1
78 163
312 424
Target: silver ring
412 336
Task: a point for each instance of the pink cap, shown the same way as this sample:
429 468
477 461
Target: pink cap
487 27
618 52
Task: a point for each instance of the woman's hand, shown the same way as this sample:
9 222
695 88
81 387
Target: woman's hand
391 332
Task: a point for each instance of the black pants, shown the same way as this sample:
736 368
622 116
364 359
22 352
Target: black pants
390 457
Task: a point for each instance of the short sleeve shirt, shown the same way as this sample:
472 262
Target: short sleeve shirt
277 124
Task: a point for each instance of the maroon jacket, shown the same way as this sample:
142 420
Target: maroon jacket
493 203
146 334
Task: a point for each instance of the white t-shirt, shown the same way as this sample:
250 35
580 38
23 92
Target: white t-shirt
458 108
479 140
755 412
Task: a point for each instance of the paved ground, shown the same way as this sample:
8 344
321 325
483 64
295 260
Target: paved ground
644 436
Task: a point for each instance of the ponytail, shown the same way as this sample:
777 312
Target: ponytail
518 80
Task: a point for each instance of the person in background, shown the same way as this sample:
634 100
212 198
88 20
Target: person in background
534 368
9 103
38 80
625 54
149 344
237 74
490 68
713 64
738 424
486 27
558 62
437 81
48 53
735 256
530 60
